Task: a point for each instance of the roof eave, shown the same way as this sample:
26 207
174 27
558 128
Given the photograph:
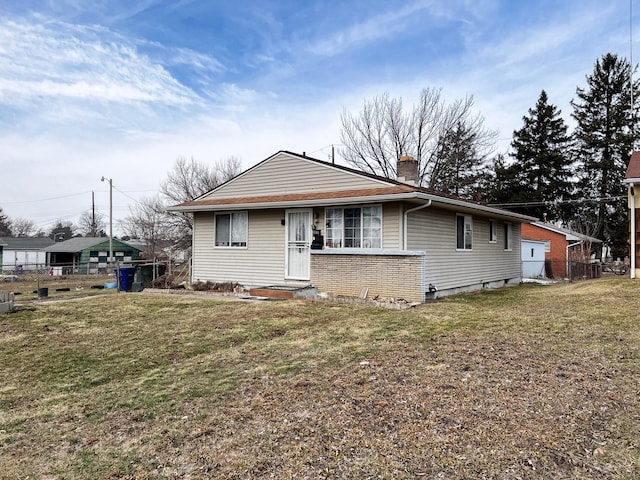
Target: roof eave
408 196
295 203
464 205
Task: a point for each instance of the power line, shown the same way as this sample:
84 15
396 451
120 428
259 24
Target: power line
558 202
46 199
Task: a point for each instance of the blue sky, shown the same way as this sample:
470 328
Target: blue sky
103 88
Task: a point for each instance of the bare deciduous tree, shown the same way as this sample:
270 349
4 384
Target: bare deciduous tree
22 227
376 138
90 226
189 179
147 221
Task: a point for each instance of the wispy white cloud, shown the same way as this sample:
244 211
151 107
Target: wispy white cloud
369 30
63 60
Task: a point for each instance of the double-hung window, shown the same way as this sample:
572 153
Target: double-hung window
493 232
464 232
508 233
231 229
359 227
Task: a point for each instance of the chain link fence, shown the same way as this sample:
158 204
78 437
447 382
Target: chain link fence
561 270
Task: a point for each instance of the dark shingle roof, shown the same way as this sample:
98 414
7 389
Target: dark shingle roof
25 243
77 244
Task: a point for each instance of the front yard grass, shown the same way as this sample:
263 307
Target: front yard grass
524 382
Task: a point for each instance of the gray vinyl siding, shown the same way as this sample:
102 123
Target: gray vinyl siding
434 231
261 263
286 174
392 226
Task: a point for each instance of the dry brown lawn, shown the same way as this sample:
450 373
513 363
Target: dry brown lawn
526 382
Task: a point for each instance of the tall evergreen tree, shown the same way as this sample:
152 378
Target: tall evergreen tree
5 225
462 160
542 158
503 185
538 177
604 140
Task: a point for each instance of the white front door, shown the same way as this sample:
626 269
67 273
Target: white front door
298 242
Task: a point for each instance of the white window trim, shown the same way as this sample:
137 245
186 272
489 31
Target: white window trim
326 239
230 247
464 223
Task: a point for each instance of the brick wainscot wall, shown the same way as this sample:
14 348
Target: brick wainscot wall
386 274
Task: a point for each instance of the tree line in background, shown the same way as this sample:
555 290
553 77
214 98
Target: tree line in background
88 226
574 180
571 179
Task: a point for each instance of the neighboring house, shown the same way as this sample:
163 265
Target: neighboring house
88 254
292 220
532 255
563 248
24 253
632 180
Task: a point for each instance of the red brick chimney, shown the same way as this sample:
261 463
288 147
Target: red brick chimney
408 170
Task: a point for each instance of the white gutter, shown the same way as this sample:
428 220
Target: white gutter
632 253
567 257
406 220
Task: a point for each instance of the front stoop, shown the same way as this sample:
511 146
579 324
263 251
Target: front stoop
282 292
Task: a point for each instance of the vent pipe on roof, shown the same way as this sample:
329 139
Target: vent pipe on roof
407 169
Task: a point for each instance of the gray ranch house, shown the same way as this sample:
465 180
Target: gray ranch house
296 221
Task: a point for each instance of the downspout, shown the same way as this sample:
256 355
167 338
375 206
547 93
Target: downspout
632 274
405 242
568 260
406 220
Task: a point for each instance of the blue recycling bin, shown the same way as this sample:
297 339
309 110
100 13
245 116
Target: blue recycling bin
125 276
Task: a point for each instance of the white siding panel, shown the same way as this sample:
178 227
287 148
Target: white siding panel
261 263
288 174
434 231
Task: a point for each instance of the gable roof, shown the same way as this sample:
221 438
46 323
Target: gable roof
25 243
633 169
371 188
78 244
570 235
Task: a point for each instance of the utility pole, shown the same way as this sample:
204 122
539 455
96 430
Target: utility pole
110 219
94 229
